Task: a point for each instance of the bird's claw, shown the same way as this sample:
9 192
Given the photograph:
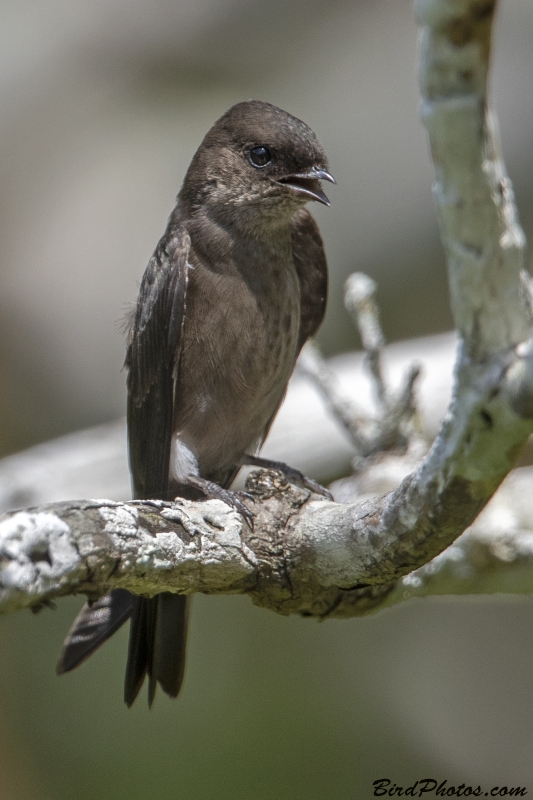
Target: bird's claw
297 477
233 499
316 487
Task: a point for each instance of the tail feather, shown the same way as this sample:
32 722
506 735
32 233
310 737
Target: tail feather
140 647
170 639
92 627
158 635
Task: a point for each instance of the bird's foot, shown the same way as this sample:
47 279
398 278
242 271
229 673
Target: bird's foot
212 491
292 475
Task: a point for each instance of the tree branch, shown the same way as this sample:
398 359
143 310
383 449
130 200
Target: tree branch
153 546
306 555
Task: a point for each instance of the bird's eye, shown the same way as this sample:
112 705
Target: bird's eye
260 156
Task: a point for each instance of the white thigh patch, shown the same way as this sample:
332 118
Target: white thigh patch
182 460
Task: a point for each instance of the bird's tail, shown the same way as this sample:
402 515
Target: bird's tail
93 626
158 636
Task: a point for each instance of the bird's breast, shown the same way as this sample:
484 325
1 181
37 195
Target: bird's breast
239 349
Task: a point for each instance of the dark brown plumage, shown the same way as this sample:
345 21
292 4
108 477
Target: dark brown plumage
236 286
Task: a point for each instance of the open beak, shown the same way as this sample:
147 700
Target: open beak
308 183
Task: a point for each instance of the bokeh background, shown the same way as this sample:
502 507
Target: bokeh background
103 104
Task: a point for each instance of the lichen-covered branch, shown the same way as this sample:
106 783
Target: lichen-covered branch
152 546
479 229
92 546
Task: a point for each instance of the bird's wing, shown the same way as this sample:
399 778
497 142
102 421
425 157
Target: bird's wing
312 268
159 625
152 359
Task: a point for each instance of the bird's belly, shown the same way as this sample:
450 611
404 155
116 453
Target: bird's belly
242 369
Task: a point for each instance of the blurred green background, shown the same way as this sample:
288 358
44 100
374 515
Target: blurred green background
104 103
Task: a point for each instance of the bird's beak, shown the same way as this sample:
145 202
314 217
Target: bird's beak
308 183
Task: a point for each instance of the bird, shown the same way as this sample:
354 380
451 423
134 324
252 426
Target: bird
236 285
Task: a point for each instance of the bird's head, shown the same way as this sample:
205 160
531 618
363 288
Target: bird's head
257 162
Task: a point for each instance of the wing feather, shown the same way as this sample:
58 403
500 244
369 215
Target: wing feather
154 347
